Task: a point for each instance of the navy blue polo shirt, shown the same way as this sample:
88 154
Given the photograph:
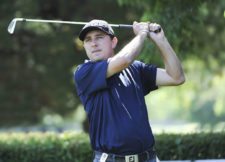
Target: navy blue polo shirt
116 107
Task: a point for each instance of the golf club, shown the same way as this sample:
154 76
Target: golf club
12 24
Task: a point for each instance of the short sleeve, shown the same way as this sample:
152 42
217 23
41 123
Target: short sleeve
90 77
148 77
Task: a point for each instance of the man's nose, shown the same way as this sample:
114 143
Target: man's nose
94 42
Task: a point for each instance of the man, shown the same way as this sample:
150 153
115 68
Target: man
112 89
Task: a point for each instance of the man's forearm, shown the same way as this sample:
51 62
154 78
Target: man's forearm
172 63
127 55
132 49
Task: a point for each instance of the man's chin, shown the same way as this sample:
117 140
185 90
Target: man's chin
98 59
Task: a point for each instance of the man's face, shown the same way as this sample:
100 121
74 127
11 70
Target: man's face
98 45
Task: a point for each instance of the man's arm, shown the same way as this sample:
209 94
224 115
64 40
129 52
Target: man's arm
173 73
128 54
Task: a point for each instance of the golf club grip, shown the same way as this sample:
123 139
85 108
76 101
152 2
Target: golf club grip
157 30
131 26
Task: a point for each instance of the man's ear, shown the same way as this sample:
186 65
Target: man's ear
114 42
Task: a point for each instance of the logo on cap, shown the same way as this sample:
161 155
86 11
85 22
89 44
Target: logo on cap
96 25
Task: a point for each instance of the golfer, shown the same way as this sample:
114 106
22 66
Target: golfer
112 87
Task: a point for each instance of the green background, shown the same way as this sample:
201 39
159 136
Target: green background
38 60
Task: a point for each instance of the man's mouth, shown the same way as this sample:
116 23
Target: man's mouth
95 51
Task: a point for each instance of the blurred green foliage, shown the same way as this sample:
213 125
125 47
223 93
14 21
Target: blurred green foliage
201 99
37 62
45 147
190 146
75 147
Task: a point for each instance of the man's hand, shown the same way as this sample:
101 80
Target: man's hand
155 36
153 30
140 28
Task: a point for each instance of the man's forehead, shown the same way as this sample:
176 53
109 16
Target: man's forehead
94 33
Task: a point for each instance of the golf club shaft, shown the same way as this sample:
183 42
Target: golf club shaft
73 22
12 24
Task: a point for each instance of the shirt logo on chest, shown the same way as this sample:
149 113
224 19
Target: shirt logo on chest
124 78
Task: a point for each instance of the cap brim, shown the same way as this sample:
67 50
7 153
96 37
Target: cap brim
83 32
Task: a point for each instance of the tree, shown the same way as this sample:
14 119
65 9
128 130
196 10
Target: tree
38 61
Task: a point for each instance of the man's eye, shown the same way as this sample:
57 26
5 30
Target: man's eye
87 40
100 37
